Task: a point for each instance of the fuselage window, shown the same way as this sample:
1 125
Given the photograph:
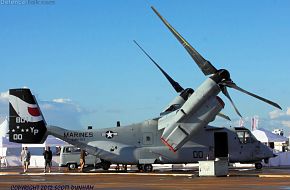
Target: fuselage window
148 138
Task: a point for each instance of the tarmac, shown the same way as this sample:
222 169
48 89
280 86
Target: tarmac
162 178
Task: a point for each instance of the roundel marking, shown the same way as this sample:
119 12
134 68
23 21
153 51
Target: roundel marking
33 111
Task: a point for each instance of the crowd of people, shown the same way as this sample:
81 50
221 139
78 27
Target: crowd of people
47 155
26 155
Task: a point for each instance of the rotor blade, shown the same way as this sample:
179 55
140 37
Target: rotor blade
205 66
226 93
224 116
234 86
175 84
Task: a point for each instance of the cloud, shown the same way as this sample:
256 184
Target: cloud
286 123
279 119
277 113
4 96
62 100
276 119
48 106
288 111
64 112
280 115
3 105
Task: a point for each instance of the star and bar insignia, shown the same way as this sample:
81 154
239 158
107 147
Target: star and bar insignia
109 134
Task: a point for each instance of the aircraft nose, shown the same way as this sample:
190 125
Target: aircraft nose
266 151
270 152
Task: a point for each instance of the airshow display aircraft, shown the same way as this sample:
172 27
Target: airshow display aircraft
180 134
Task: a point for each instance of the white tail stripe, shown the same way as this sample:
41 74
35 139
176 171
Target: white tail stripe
21 108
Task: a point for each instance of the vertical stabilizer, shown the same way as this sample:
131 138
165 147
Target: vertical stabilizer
26 123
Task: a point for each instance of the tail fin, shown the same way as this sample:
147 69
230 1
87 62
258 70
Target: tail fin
26 123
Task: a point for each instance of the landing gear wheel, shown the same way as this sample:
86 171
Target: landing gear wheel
125 167
258 166
106 165
147 168
140 167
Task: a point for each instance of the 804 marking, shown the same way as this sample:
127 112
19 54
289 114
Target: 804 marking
23 119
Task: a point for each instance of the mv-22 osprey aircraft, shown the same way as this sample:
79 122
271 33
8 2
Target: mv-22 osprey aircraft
180 134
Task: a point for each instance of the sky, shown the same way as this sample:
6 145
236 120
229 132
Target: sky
79 59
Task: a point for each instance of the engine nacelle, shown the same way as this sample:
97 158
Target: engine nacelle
178 101
200 109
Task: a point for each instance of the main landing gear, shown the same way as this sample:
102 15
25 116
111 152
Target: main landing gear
106 165
258 166
145 167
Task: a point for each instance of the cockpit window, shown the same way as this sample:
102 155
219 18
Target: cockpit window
245 136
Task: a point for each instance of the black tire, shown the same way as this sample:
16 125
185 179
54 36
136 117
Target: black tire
148 168
258 166
106 165
72 166
125 167
140 167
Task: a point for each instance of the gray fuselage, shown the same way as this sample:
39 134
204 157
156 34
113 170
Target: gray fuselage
141 144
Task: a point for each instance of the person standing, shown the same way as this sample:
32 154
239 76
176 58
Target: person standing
82 160
22 157
25 158
47 154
